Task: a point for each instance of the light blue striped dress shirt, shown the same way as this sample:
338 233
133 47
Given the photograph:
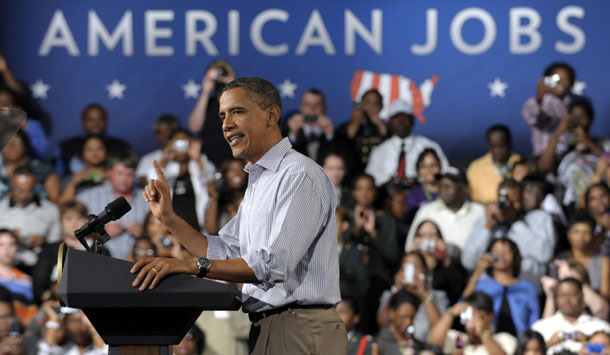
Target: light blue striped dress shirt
286 232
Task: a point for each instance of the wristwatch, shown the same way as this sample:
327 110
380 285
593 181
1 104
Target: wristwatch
204 265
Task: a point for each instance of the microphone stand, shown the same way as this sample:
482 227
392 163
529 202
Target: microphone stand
98 228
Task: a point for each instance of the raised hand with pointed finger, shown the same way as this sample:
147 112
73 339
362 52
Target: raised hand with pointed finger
158 196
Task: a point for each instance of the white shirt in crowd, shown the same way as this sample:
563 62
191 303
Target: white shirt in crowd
585 324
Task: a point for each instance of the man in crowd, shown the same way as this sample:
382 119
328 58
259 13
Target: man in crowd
120 172
164 126
396 157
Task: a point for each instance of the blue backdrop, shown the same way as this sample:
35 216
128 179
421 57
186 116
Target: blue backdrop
155 47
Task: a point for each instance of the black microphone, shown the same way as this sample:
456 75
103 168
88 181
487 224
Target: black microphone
113 211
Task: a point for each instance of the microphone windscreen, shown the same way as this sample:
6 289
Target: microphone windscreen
117 208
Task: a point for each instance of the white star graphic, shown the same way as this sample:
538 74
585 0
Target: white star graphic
115 89
191 89
497 88
287 88
579 87
39 89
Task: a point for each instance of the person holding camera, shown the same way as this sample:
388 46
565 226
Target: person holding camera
187 171
533 232
477 316
93 155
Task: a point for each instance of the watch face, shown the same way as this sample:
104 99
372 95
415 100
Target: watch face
204 264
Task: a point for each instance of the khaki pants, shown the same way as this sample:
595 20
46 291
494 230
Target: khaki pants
299 331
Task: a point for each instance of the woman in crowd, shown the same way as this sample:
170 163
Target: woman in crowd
142 248
597 204
226 191
165 244
530 342
334 166
93 155
515 301
428 167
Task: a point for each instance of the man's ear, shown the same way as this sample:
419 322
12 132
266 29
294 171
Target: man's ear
275 114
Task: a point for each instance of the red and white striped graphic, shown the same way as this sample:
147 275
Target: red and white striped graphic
393 87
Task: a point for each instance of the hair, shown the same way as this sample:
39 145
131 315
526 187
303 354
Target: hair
499 128
422 155
481 301
510 184
180 130
420 256
224 65
125 156
525 337
89 137
375 92
561 65
73 205
94 106
536 180
10 93
580 269
586 105
601 185
363 176
516 254
529 162
581 217
438 230
571 280
259 90
25 141
319 93
10 233
352 304
23 170
167 119
401 297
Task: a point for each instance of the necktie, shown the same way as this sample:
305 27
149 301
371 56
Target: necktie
402 162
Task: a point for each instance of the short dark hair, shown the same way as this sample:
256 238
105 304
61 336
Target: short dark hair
125 156
423 154
363 176
586 105
167 119
93 136
319 93
95 105
74 205
499 128
481 301
375 92
602 185
525 337
536 180
516 254
581 217
401 297
571 280
561 65
259 90
10 233
23 170
353 304
510 184
181 130
438 230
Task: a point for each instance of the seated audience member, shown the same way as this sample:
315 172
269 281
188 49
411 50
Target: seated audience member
524 167
578 166
165 244
569 326
584 248
487 172
16 281
187 171
357 342
395 206
413 276
10 343
428 168
120 172
532 232
602 170
334 166
446 273
15 155
452 212
142 248
71 334
203 120
164 126
91 174
477 315
598 343
396 157
364 131
34 220
94 120
595 304
226 192
193 343
310 131
397 337
544 112
530 342
597 204
515 300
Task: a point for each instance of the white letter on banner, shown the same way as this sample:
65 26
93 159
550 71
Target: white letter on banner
233 18
373 37
530 30
205 36
256 32
98 31
431 37
58 35
315 24
489 32
564 25
152 32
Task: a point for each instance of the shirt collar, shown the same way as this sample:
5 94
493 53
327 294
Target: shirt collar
273 157
35 199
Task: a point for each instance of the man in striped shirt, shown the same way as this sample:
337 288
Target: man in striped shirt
282 243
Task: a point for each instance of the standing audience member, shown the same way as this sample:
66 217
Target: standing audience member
395 206
428 169
597 204
164 126
91 174
226 194
335 167
165 244
487 172
357 342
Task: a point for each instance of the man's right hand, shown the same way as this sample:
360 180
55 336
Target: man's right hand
158 196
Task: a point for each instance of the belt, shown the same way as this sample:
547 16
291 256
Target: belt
256 316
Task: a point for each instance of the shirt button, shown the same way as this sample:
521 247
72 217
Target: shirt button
253 185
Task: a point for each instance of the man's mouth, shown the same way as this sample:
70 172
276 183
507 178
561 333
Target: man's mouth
235 139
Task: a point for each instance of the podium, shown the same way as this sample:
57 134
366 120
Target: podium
133 321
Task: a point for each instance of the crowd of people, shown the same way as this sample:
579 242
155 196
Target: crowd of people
509 254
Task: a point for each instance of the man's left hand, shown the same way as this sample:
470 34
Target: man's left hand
152 270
